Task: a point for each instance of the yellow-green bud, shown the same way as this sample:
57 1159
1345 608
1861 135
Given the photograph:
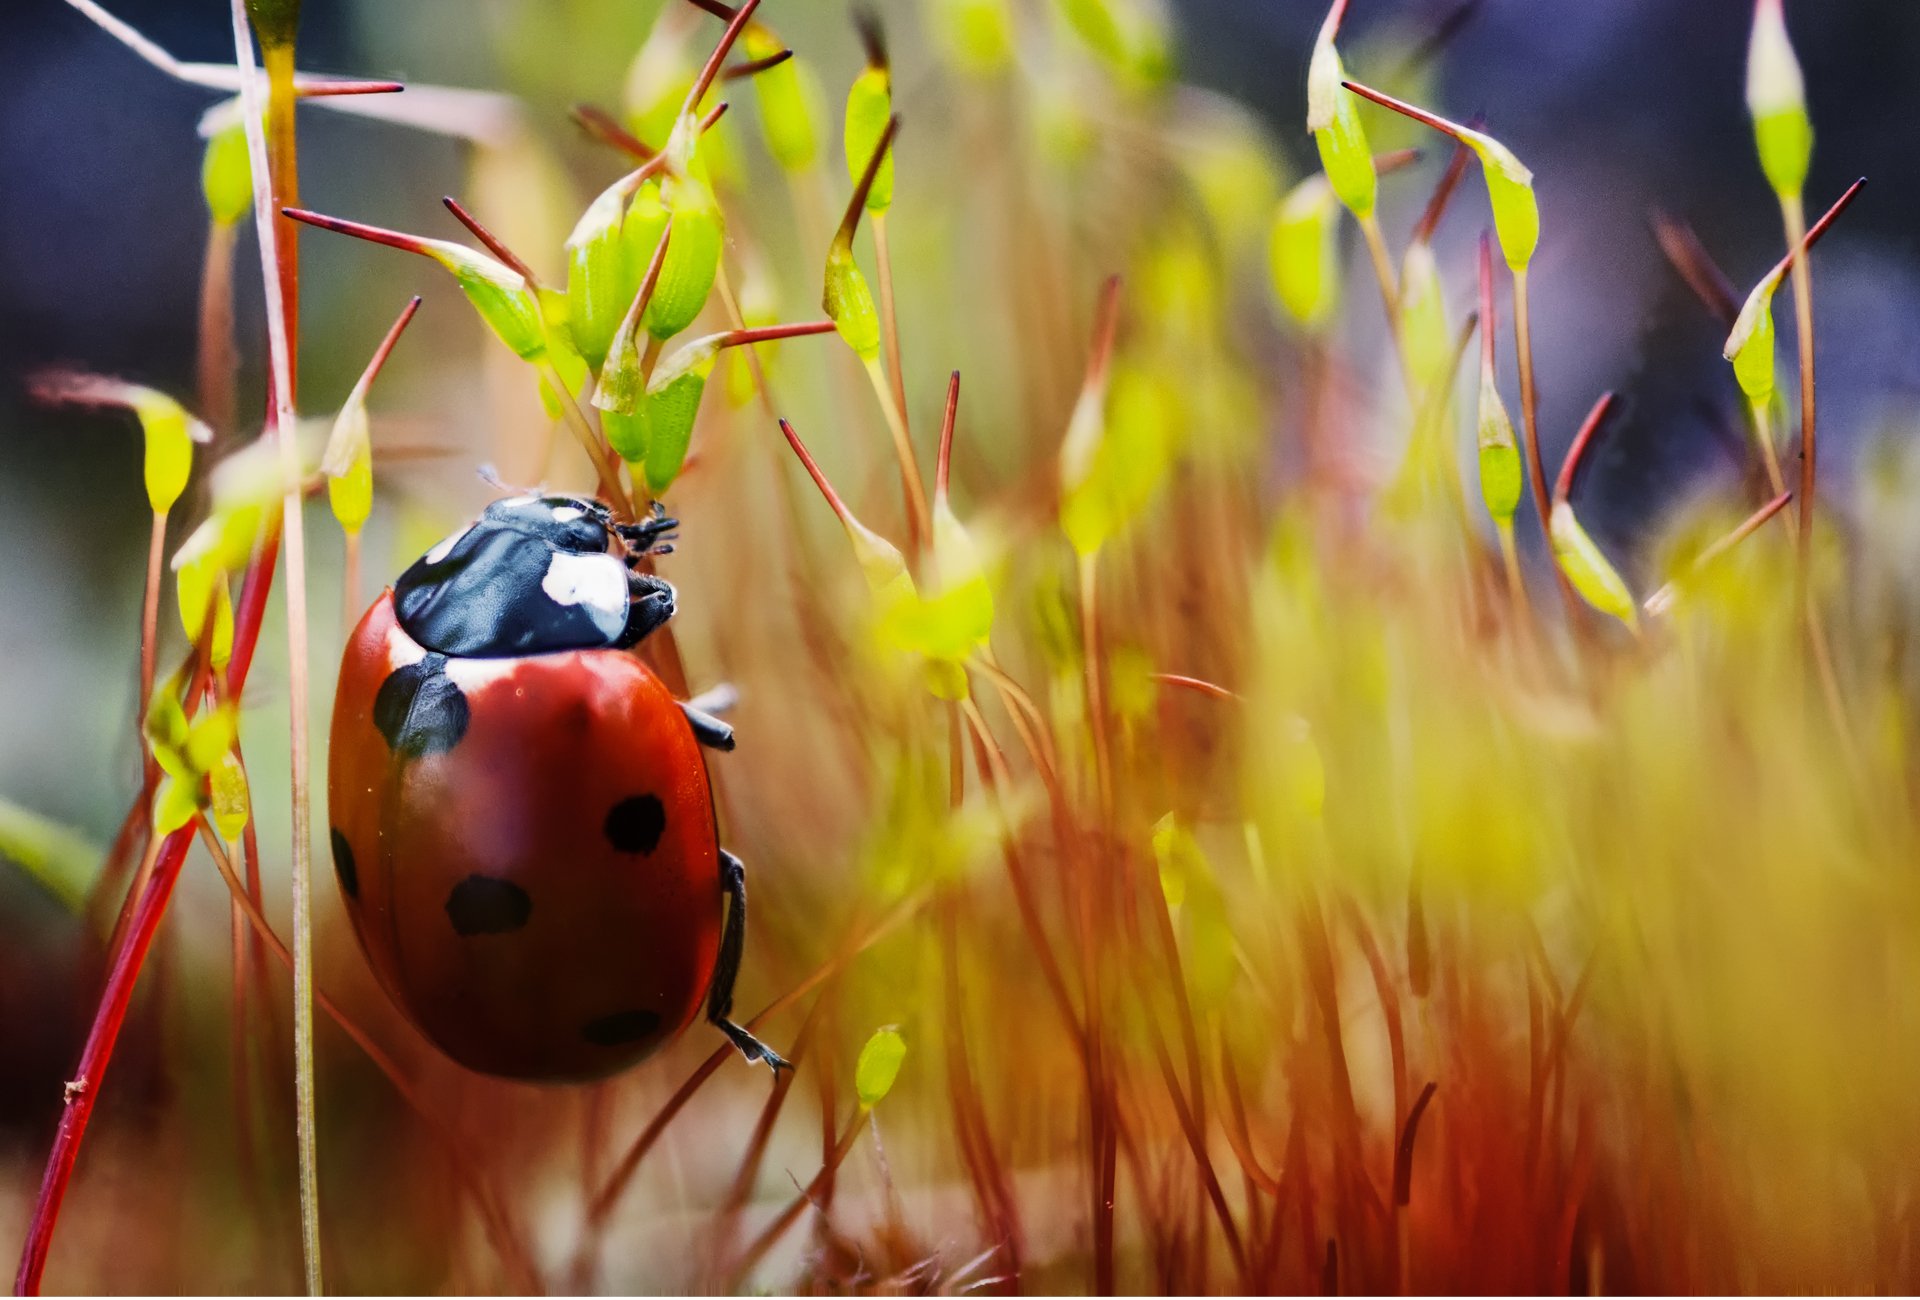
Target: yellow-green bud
1304 255
869 105
1777 102
879 1065
601 275
226 175
693 256
789 103
849 303
1588 569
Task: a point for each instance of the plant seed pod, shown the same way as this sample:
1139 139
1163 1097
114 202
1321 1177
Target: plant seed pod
226 175
601 275
693 255
869 106
1750 346
1304 256
1588 568
789 103
878 1067
1777 102
1334 120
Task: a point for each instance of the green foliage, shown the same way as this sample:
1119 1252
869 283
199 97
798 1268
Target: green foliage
58 858
1115 457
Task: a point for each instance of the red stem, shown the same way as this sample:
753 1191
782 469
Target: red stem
1489 319
1563 487
84 1088
857 204
735 26
494 244
819 478
773 333
323 89
1818 229
944 465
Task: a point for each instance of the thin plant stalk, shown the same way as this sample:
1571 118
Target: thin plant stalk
512 1252
281 340
1530 432
889 322
770 1237
1763 435
1376 241
216 361
150 609
1793 213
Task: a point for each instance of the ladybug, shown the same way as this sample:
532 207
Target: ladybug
521 820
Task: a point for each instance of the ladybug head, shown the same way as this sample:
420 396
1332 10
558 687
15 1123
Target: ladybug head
536 575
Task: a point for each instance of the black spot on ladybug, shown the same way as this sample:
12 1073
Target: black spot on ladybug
420 710
635 825
343 866
485 905
620 1028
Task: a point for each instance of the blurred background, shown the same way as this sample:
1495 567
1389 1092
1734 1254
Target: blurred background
1621 108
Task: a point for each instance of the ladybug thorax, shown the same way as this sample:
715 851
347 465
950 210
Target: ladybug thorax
533 575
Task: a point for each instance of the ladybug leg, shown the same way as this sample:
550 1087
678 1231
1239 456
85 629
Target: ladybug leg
707 729
733 942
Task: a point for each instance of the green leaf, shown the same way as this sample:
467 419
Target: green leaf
878 1067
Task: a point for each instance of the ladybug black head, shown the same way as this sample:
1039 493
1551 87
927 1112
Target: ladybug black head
535 575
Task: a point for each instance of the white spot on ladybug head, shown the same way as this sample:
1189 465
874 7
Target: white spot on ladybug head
567 514
445 547
596 583
517 501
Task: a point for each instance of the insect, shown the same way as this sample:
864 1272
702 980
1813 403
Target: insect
521 820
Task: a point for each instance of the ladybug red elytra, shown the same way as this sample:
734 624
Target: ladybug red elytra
522 826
